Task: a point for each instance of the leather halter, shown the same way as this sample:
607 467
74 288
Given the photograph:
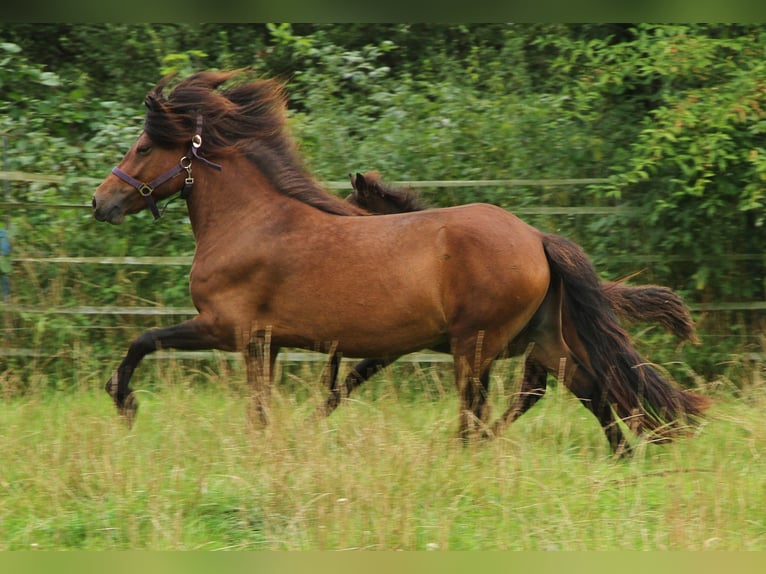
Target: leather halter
184 164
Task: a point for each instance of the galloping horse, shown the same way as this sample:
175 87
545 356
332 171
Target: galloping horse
636 303
276 257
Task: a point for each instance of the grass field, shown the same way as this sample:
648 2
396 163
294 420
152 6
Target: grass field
384 472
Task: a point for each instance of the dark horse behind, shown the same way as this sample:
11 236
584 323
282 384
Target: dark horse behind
634 303
276 257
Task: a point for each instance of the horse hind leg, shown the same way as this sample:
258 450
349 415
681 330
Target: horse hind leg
473 389
334 396
563 363
362 371
550 354
559 361
533 386
543 331
590 394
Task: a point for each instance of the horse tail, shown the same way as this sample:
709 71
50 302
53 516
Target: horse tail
652 304
638 394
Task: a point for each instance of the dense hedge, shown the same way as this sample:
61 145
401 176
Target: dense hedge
673 115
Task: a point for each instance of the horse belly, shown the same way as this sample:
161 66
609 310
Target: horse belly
382 337
369 328
364 310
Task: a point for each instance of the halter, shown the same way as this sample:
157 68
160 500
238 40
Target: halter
184 164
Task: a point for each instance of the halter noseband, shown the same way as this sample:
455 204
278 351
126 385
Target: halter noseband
184 164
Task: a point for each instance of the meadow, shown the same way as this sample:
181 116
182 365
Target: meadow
385 472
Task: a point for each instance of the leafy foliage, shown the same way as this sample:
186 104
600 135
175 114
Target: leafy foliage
672 114
695 161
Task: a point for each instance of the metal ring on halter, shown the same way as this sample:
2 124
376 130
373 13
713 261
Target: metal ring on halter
145 190
185 162
197 141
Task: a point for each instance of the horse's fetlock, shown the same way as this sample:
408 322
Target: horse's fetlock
112 385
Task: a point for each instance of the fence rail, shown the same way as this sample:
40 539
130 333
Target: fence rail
186 311
56 180
285 357
186 260
541 210
344 184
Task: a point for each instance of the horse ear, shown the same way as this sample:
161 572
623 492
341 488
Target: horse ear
352 179
360 185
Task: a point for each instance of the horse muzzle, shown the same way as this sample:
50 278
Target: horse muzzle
110 211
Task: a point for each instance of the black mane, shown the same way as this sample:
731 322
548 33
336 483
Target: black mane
248 117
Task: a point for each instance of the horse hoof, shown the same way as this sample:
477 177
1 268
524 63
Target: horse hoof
128 410
258 418
319 414
622 451
326 409
488 435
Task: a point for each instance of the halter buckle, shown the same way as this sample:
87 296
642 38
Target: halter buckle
145 190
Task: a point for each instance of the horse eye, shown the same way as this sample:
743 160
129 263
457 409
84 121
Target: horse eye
144 150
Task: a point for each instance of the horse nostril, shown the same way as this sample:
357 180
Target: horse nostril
93 203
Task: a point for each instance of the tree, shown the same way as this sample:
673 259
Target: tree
697 162
673 114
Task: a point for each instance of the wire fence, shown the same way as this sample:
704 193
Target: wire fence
7 309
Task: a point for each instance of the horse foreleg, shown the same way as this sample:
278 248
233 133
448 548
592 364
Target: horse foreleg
362 371
190 335
260 357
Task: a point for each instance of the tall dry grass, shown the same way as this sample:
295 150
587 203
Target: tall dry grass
384 472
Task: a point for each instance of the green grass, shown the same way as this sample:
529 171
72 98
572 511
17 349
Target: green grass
384 472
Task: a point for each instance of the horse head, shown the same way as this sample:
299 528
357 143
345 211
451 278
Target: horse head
165 150
147 174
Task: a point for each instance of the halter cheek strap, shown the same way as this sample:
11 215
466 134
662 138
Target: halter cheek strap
184 164
196 143
146 189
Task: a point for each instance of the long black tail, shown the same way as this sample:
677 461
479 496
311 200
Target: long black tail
637 393
651 304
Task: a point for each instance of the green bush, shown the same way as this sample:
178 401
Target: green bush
672 114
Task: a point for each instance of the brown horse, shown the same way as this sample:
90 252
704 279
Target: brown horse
276 257
644 303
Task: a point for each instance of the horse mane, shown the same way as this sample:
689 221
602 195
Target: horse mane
249 117
405 199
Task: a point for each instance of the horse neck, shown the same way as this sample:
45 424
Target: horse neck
229 199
